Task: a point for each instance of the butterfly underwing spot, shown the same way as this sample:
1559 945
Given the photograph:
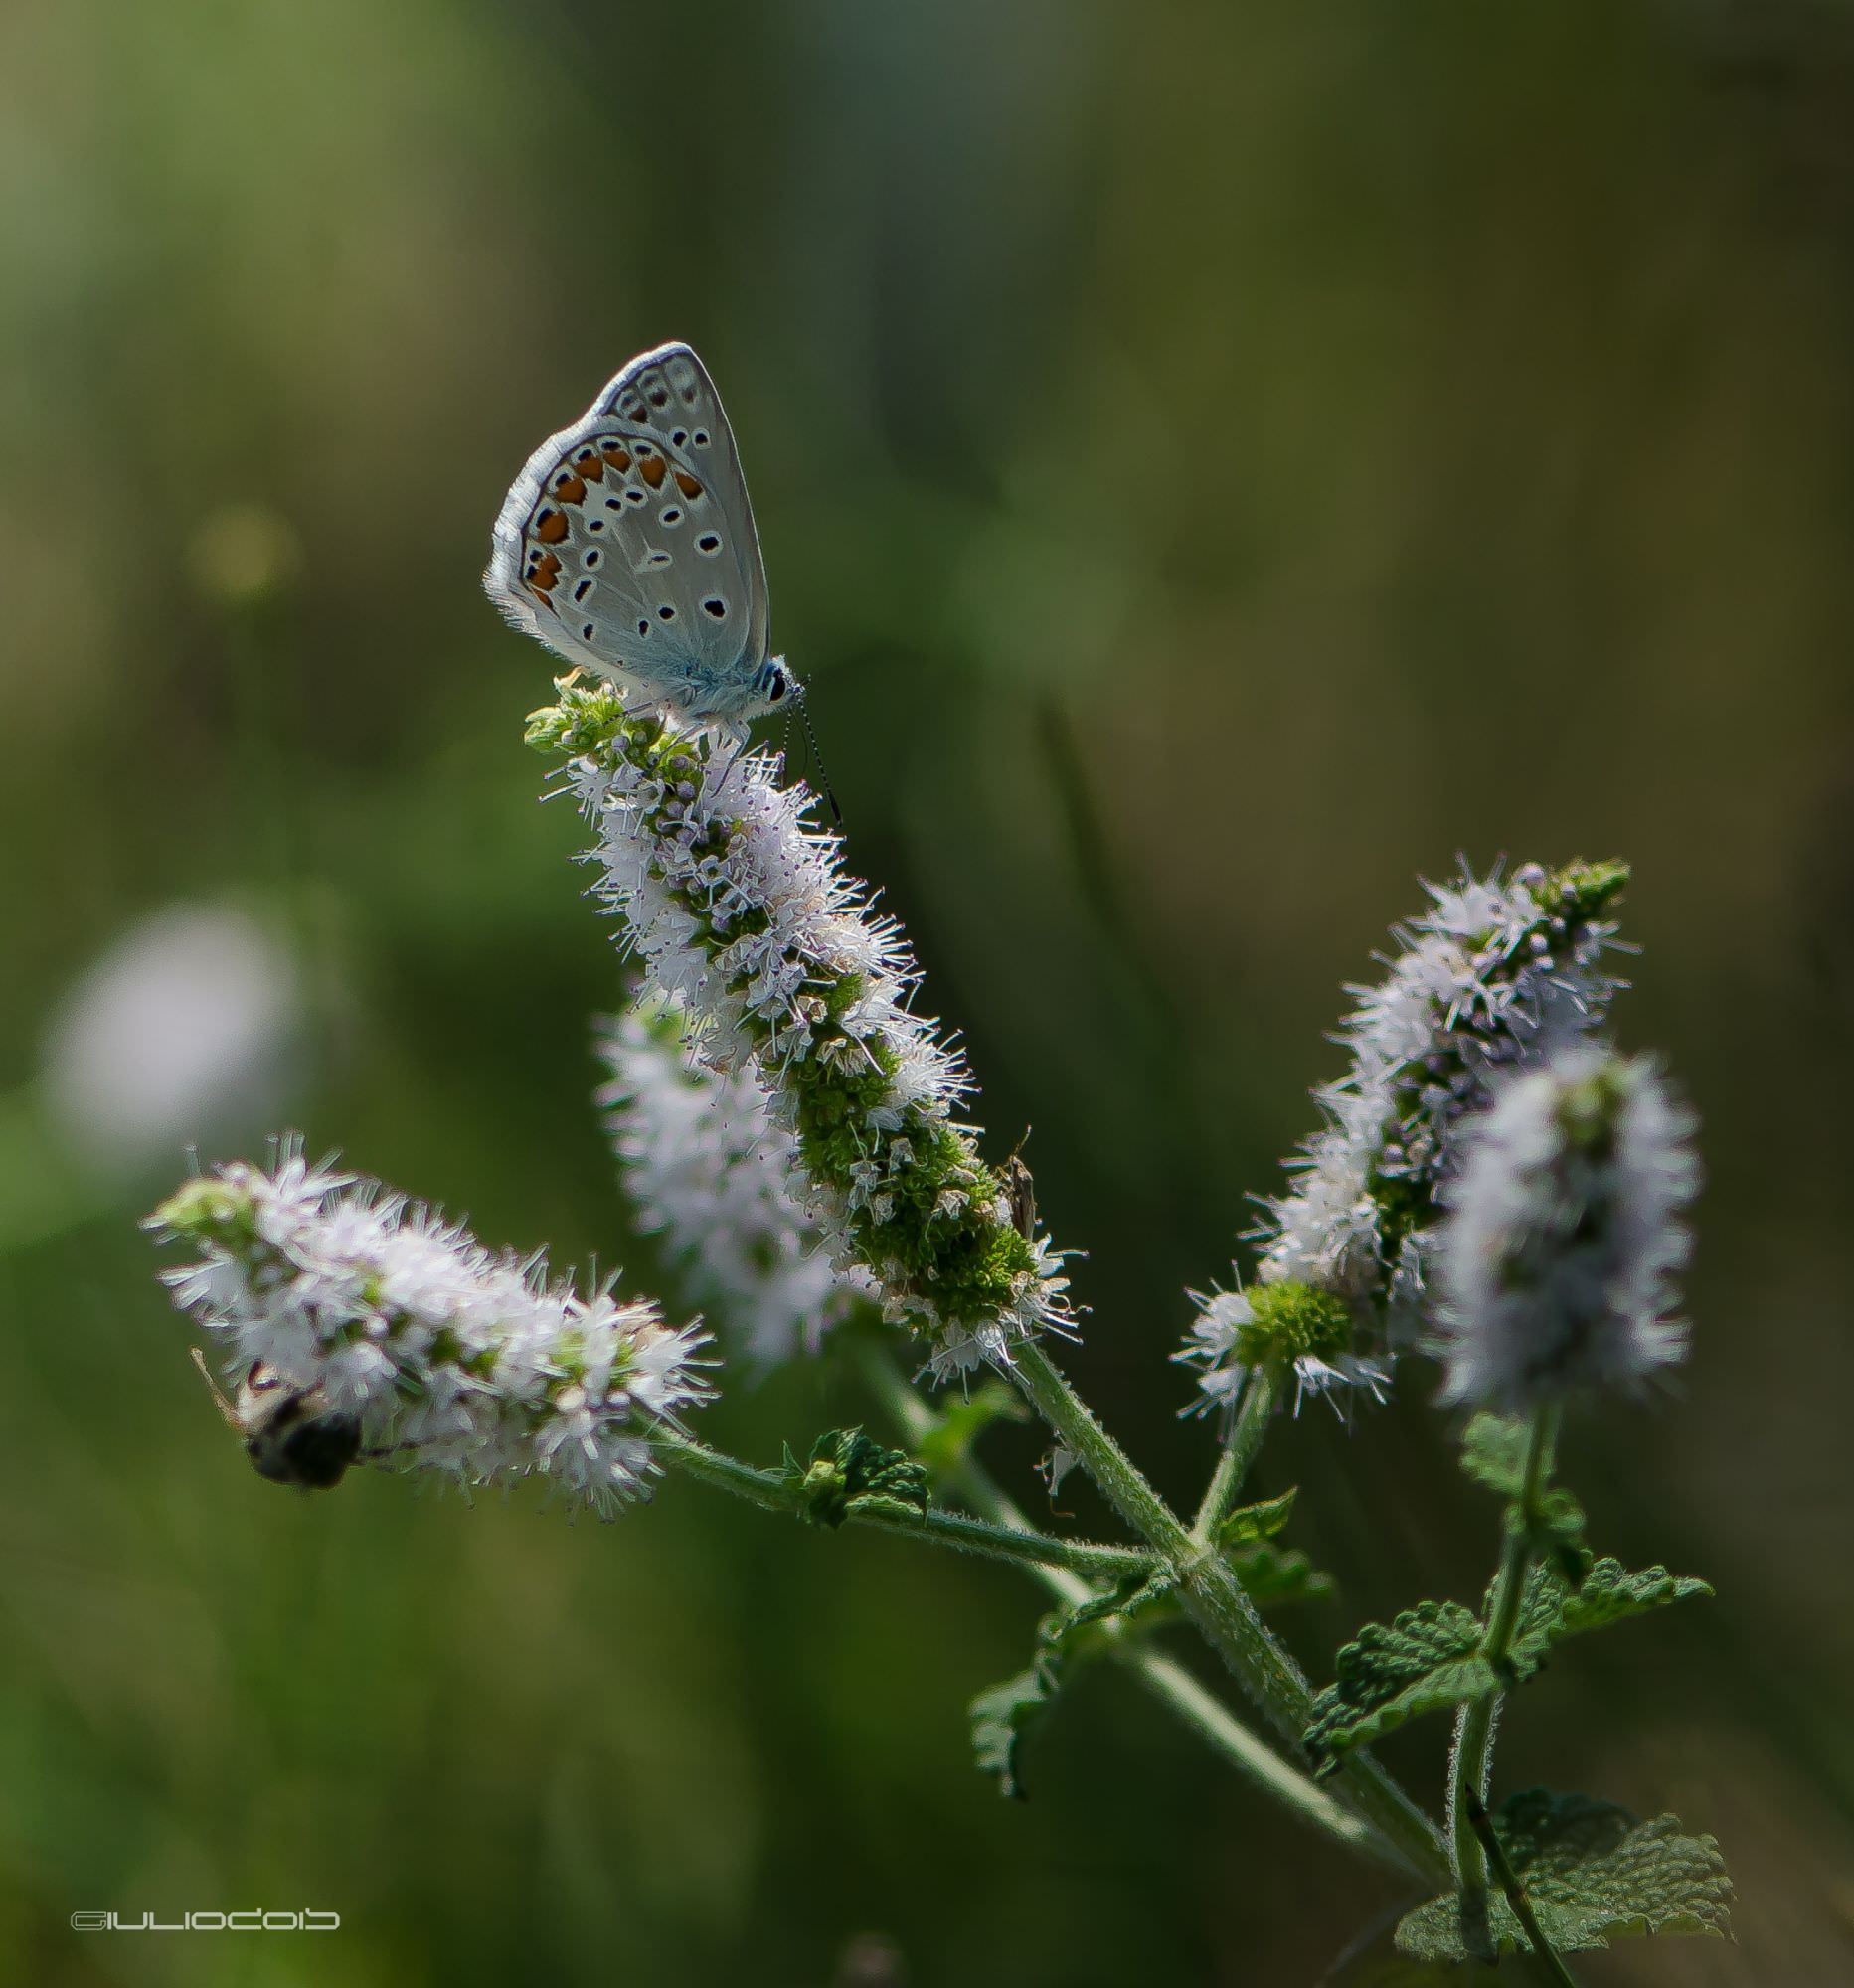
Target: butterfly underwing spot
589 463
669 515
591 557
643 626
680 437
583 587
701 437
636 496
666 612
657 394
616 454
550 526
586 633
709 542
569 489
716 607
686 484
655 556
652 468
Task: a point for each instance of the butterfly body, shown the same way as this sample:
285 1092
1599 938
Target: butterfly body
627 546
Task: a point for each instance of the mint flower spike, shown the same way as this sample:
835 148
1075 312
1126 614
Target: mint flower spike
710 1171
740 909
1287 1323
450 1358
1497 975
1565 1230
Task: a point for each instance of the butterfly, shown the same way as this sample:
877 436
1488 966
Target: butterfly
627 546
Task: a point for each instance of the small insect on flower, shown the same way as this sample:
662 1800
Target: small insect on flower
291 1434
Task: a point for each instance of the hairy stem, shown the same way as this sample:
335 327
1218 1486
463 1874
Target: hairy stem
1543 1953
1213 1597
773 1492
1471 1760
1167 1681
1261 1392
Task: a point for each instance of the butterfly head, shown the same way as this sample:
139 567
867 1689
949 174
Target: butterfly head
775 688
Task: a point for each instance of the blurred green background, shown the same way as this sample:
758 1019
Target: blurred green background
1213 464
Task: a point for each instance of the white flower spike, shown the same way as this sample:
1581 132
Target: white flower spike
444 1356
741 910
1567 1227
710 1171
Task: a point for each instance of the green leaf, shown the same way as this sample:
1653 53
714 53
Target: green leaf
1592 1874
1610 1593
1493 1452
1256 1522
948 1443
1002 1716
1276 1577
1554 1609
847 1470
1427 1659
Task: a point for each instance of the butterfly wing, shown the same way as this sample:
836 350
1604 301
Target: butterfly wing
627 542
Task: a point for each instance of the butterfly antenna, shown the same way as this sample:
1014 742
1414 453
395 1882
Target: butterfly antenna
817 759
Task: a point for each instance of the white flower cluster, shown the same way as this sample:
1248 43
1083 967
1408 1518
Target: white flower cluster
1221 1342
1494 975
1566 1229
712 1173
740 911
446 1356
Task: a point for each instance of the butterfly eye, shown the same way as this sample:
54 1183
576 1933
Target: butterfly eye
775 689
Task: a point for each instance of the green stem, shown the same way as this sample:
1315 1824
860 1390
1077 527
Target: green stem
1543 1950
1471 1761
1169 1682
1213 1597
770 1490
1261 1392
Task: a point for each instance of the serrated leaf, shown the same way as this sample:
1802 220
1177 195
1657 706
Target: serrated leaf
1276 1577
1592 1874
1427 1659
1002 1716
1493 1452
1608 1592
1260 1521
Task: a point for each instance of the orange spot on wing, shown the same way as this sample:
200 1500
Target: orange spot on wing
569 489
652 468
544 575
549 527
587 462
620 458
686 484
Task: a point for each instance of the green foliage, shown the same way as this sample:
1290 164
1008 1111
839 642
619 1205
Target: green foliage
1430 1657
1592 1874
848 1471
1493 1452
947 1445
1274 1577
1608 1593
1260 1521
1002 1716
1427 1659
